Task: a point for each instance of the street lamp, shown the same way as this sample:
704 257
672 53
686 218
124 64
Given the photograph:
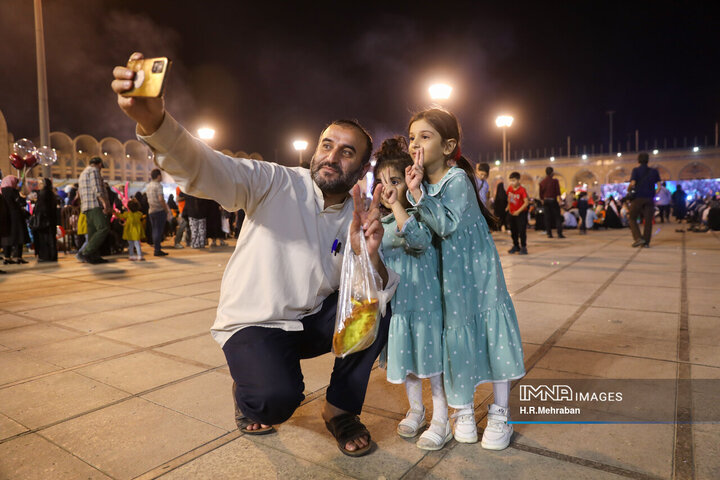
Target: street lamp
504 121
206 133
300 146
440 91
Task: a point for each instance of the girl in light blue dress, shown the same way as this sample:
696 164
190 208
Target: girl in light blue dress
481 335
414 348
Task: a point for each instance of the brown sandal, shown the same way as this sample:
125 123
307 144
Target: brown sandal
243 422
346 427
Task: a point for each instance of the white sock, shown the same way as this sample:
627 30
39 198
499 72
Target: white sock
501 392
440 406
413 387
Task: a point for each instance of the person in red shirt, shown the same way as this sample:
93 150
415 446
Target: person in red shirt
517 207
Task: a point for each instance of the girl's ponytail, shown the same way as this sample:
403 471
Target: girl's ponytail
492 220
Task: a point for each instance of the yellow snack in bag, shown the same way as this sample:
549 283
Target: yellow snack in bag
361 320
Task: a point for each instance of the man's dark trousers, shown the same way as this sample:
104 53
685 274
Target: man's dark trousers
157 223
552 216
645 208
265 365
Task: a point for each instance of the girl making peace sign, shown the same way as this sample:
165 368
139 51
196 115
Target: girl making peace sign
481 338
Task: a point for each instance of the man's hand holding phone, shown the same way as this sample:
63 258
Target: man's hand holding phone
148 112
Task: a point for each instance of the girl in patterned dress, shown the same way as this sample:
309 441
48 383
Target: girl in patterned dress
481 338
414 348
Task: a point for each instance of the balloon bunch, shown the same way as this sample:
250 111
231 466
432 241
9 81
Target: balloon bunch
25 156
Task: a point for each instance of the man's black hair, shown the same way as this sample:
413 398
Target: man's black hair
515 175
643 158
156 172
484 167
549 171
343 122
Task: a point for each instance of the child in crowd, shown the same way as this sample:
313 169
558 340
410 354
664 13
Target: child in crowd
481 338
414 348
517 207
133 230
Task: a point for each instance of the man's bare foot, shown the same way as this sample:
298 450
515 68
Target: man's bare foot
330 411
256 426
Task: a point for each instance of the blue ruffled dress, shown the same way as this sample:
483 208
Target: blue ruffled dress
481 338
416 326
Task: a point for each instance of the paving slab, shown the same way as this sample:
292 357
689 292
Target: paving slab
193 289
704 301
77 351
605 365
655 299
34 335
624 446
304 436
190 397
61 296
9 320
9 427
32 457
558 292
162 331
56 397
538 320
130 438
121 317
84 306
203 349
139 372
243 458
472 462
19 365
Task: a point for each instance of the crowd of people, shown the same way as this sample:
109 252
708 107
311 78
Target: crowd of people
94 220
582 211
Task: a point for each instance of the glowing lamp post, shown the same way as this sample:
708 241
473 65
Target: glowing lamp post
504 121
206 133
300 146
440 91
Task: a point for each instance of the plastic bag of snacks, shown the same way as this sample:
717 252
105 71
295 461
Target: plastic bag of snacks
356 321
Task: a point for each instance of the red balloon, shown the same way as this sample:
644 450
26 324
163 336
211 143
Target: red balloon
30 160
17 161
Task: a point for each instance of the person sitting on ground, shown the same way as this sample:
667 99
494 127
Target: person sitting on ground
285 310
569 219
599 220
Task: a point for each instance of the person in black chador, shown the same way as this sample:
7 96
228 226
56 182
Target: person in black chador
500 206
44 223
16 235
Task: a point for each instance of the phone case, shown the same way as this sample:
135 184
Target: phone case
150 75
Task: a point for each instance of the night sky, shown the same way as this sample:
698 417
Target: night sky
265 73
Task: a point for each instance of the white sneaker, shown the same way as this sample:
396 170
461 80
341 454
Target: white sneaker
465 430
497 434
178 246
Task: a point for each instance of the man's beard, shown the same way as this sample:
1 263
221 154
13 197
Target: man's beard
342 184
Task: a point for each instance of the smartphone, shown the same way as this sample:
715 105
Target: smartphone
150 75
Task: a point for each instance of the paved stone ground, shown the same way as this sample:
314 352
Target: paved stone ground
109 371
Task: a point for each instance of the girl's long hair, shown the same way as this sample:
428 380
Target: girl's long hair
448 127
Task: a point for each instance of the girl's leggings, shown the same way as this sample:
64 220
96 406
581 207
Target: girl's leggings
134 245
